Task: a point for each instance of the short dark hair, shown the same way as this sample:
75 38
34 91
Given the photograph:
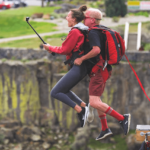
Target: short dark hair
78 13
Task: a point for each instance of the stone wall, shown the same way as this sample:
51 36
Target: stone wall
33 54
25 93
25 89
27 54
137 56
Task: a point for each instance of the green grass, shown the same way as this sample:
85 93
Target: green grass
133 27
12 22
120 144
95 4
141 13
147 47
54 40
16 26
28 11
98 144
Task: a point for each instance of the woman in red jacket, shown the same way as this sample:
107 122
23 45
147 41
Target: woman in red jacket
72 48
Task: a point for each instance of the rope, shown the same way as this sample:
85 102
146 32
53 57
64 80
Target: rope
137 78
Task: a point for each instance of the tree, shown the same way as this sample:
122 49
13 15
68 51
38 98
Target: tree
115 8
42 3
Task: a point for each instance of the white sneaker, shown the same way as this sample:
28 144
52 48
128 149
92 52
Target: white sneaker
85 116
90 116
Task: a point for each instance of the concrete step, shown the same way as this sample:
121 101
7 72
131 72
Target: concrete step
132 41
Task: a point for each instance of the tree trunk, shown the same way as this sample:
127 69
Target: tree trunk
42 4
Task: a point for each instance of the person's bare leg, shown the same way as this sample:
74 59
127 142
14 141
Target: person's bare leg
124 120
83 104
96 102
77 108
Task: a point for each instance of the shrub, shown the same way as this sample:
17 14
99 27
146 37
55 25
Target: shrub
147 47
148 26
115 8
115 19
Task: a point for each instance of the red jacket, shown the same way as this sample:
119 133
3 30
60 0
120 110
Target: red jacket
73 42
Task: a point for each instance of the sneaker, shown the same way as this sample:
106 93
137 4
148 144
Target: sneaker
85 115
90 115
81 117
104 134
125 124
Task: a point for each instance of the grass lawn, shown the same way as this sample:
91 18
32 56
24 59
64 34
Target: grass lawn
54 40
12 21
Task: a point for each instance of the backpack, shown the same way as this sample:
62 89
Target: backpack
80 52
114 45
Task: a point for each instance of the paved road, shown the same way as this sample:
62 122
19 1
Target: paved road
34 2
122 21
62 26
31 3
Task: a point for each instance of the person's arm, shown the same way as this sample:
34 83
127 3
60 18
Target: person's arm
93 53
73 40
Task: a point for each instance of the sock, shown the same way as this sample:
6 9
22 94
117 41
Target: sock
114 114
103 122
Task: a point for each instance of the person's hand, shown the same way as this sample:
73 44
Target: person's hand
78 61
46 46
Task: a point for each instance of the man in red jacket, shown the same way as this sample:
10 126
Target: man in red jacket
99 78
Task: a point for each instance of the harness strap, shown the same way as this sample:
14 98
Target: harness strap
98 65
76 54
137 78
67 61
73 57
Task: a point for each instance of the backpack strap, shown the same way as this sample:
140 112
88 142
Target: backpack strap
73 57
84 32
76 54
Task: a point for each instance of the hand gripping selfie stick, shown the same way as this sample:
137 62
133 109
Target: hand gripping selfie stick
27 20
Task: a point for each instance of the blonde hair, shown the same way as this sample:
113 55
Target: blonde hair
95 13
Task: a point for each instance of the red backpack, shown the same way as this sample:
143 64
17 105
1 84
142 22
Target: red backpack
114 45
